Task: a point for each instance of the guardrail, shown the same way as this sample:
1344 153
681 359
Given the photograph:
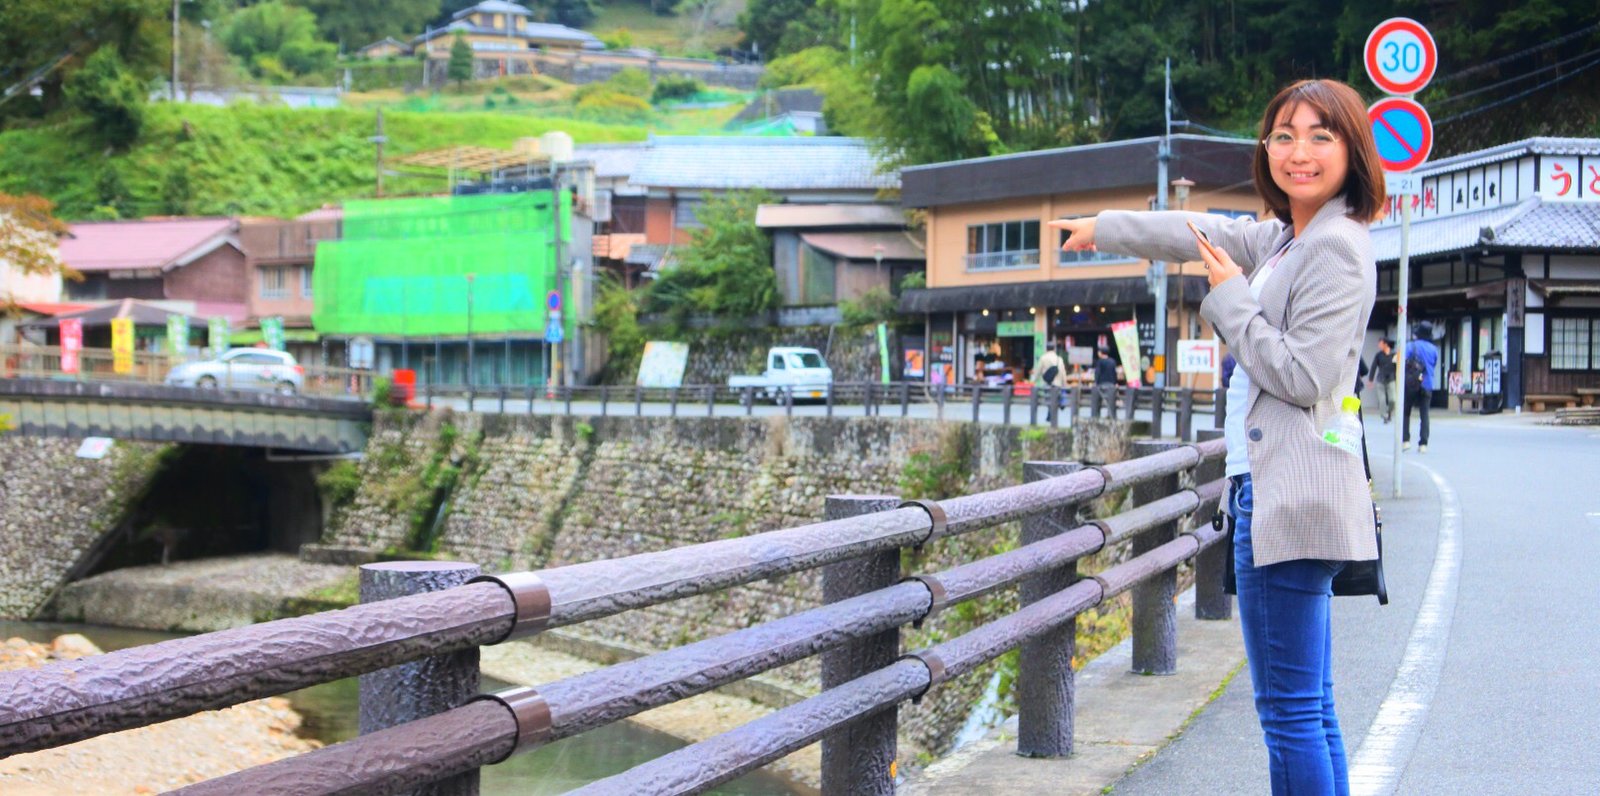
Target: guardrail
145 367
958 401
451 733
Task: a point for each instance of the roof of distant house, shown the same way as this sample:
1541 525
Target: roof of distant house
385 40
776 164
813 216
494 7
779 102
867 244
543 31
611 160
149 243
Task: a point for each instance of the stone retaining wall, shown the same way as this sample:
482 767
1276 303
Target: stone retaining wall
55 508
538 491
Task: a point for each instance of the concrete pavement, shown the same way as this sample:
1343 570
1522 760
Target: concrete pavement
1492 691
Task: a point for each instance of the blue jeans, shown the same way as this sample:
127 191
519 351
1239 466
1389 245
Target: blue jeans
1283 611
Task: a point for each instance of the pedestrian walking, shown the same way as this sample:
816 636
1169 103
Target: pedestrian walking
1049 375
1105 383
1301 506
1422 356
1382 371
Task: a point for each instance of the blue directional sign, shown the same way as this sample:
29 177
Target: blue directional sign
1403 132
552 331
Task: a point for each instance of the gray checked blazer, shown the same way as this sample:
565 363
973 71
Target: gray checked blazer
1300 344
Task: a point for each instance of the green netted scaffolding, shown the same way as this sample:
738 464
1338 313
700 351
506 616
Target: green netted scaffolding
401 268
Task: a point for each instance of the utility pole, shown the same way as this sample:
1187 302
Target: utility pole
379 140
470 277
1159 268
173 89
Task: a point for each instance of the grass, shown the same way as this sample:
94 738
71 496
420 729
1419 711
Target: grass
251 160
668 35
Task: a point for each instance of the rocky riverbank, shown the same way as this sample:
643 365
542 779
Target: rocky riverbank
150 759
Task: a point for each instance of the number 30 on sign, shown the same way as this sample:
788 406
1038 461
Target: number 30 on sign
1401 56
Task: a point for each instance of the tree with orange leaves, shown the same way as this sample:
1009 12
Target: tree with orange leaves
28 233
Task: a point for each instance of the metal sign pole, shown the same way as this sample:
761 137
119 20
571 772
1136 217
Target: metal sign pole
1402 323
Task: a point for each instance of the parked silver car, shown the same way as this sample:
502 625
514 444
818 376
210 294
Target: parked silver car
242 369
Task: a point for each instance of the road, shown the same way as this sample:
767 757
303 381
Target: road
1490 690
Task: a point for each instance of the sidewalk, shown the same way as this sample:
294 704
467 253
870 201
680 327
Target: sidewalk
1122 718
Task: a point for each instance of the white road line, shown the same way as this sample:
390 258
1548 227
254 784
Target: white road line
1376 767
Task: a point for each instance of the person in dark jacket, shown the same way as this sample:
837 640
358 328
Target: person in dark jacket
1105 383
1382 371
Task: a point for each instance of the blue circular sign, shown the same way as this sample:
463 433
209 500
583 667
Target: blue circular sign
1403 132
553 301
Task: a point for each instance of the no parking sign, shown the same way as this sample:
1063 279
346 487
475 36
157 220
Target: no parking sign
1403 132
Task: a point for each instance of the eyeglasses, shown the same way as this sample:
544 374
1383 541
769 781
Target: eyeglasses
1281 145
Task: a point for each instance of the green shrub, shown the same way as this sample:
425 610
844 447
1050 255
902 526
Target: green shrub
673 87
916 280
874 306
340 482
632 81
619 39
613 107
108 92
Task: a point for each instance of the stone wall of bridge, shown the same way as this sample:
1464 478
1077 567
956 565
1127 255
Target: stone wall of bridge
55 508
529 492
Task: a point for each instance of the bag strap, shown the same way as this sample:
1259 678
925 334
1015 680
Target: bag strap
1366 463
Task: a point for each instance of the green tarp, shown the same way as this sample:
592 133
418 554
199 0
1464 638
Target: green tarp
402 265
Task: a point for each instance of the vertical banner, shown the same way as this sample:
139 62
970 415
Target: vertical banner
177 335
1126 334
122 345
71 344
272 332
217 337
883 350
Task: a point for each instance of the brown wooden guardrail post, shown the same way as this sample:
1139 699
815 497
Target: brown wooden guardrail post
1219 412
1155 614
416 690
638 401
977 396
1044 672
711 400
1157 403
1186 415
857 759
1211 565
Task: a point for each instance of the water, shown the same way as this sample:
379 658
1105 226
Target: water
329 713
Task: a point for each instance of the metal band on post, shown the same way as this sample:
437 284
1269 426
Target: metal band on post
935 514
1199 455
529 711
531 599
939 596
1105 532
936 671
1105 476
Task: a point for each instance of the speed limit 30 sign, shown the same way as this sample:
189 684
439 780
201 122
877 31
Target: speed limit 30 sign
1401 56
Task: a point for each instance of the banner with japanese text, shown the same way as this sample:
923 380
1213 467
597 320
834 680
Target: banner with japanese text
71 344
272 332
1126 334
218 335
177 335
122 345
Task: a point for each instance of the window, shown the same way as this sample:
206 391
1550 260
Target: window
1008 244
778 363
807 360
688 213
305 281
274 283
1574 343
1064 259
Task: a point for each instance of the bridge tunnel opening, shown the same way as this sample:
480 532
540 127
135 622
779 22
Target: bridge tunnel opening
211 501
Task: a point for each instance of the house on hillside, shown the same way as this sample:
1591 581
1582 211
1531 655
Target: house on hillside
998 284
198 261
1504 264
792 111
504 40
619 210
387 47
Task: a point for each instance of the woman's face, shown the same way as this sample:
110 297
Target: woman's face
1309 174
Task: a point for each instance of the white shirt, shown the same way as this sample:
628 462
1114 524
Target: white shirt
1233 429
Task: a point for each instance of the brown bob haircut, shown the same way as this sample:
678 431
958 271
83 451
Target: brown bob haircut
1344 114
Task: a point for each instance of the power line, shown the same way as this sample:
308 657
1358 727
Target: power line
1510 80
1513 98
1512 57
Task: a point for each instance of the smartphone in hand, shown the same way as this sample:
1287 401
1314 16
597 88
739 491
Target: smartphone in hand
1205 240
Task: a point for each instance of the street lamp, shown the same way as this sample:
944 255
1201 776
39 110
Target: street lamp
1180 191
877 256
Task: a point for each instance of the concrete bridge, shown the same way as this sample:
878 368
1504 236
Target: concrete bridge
157 413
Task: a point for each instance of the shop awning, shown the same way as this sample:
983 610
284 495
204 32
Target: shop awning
253 336
1126 290
891 245
1560 288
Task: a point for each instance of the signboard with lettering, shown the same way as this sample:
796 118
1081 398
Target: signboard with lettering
1014 328
71 343
1197 356
122 345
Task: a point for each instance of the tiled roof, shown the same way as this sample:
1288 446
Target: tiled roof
1529 224
530 30
123 245
1515 149
493 7
893 245
611 160
776 164
1553 226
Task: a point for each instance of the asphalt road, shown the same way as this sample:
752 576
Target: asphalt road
1505 701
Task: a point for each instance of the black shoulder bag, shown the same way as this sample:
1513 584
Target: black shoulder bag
1357 578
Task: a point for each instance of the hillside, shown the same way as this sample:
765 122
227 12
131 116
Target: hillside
248 159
